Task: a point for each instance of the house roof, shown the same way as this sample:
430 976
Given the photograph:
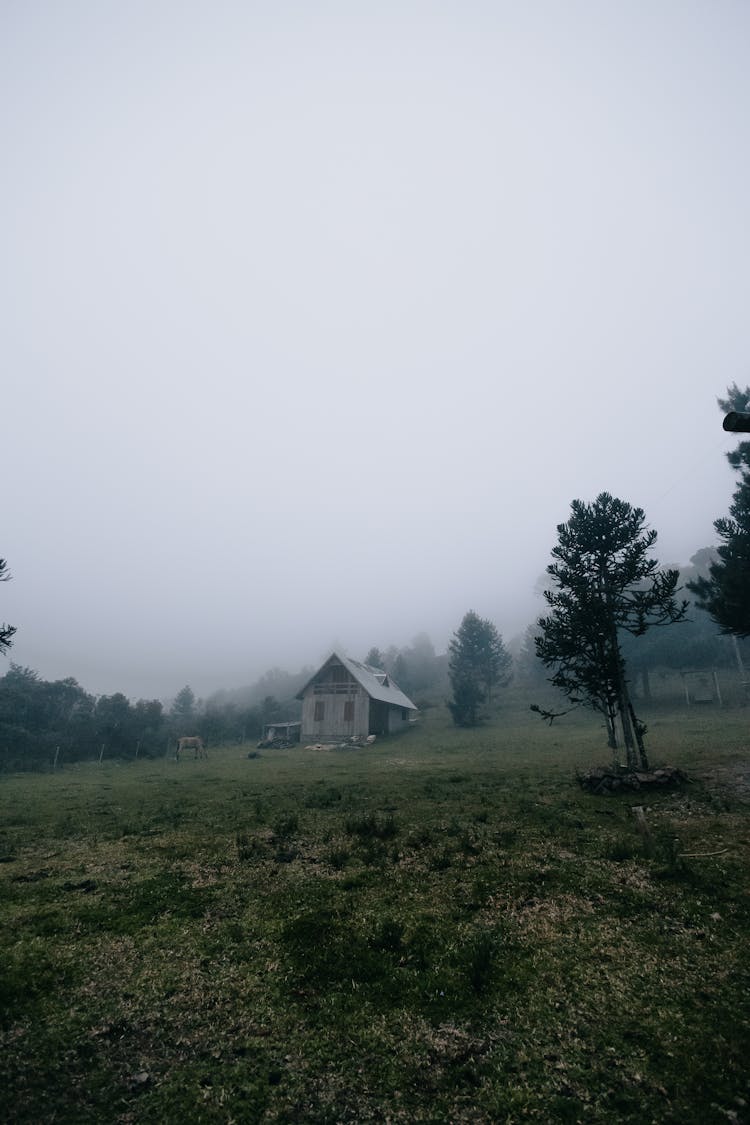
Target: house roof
375 681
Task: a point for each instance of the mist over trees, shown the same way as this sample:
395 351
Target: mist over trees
417 669
604 583
697 644
528 670
598 631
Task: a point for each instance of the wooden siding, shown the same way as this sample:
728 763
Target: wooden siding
334 726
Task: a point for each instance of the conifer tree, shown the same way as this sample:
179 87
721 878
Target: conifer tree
603 581
725 593
478 662
183 707
7 632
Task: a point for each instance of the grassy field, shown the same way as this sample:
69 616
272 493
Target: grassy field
440 928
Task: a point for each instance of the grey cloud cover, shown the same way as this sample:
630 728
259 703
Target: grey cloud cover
316 317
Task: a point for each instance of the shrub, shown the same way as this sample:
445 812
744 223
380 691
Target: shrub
371 826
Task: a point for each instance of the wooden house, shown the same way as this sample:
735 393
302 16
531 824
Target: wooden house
346 699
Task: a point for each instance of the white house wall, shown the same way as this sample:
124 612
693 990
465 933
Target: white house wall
396 721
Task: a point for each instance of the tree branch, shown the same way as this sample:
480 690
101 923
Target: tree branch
549 716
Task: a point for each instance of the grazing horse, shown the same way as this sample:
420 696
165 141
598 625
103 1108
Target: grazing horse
188 741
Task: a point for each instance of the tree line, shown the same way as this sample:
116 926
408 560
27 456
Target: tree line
45 723
42 722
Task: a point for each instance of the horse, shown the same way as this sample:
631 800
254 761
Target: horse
188 741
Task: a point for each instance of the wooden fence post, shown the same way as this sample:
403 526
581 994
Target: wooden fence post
101 754
641 825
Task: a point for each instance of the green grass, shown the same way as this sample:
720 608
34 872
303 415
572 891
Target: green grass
440 928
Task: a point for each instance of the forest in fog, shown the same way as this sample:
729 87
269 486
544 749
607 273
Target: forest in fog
41 720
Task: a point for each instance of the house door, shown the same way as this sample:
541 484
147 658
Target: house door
378 717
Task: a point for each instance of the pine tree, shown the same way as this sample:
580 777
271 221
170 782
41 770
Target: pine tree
725 593
604 581
400 673
739 400
526 664
183 707
478 662
7 632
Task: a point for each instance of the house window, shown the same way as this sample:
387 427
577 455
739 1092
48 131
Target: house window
349 711
320 710
404 714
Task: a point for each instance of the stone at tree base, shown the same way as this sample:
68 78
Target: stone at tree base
606 780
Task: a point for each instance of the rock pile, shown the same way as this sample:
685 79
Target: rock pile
607 780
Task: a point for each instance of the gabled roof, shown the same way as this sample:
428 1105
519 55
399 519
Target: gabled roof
375 681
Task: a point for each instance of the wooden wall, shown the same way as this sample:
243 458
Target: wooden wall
334 726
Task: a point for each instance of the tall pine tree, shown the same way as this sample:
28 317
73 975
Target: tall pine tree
725 593
604 581
183 706
478 663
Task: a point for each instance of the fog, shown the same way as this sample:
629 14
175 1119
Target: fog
316 317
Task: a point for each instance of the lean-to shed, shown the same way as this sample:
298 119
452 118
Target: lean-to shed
346 699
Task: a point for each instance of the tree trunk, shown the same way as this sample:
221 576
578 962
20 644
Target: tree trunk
638 737
738 658
624 709
611 731
631 756
623 699
610 721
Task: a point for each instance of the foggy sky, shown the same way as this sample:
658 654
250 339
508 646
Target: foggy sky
316 316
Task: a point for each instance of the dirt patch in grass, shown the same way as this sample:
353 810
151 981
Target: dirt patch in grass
731 780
